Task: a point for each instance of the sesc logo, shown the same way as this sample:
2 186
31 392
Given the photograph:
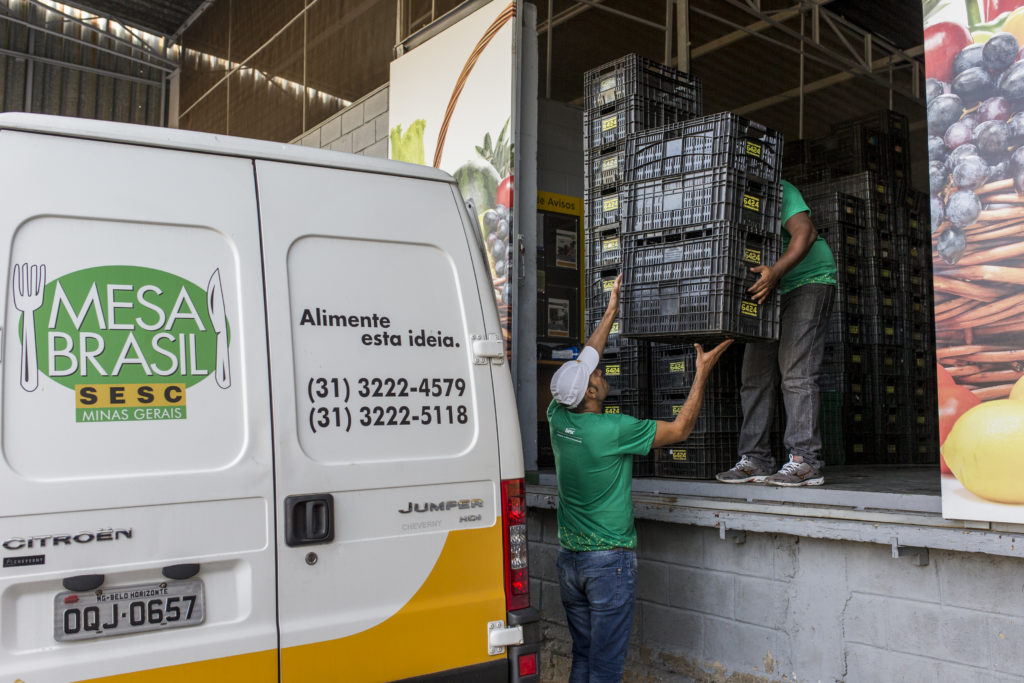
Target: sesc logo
128 340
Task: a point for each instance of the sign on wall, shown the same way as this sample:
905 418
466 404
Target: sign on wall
975 91
451 107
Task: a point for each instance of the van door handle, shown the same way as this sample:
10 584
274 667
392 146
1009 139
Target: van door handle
309 519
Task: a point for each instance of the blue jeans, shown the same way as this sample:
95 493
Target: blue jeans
599 593
796 360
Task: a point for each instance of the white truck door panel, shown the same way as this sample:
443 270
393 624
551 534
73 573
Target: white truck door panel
373 305
135 404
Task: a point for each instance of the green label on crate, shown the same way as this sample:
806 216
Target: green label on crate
851 240
676 409
610 204
610 245
677 454
751 203
854 329
890 331
608 83
748 308
608 285
612 409
880 189
753 149
890 389
615 328
855 358
885 272
610 164
610 123
613 370
852 299
856 387
752 255
852 270
858 448
677 366
886 301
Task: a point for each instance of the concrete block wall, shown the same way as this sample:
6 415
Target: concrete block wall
783 608
559 148
360 128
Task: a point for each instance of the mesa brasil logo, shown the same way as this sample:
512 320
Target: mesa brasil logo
128 340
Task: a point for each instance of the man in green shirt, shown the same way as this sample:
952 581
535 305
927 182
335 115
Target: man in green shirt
805 275
593 462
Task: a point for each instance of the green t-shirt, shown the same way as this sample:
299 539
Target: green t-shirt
595 476
818 266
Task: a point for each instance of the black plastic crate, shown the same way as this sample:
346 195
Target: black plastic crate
673 369
853 150
604 170
719 249
718 413
701 456
599 289
723 140
633 406
847 328
704 310
636 76
884 329
643 465
703 197
882 303
604 208
836 207
882 274
607 128
626 370
604 247
886 120
616 342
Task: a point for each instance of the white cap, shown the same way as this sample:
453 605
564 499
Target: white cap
570 382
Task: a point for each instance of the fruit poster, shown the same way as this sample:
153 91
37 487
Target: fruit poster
975 90
451 107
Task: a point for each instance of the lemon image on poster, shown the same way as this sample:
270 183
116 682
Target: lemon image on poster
129 341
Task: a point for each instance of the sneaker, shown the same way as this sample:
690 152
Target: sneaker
796 473
743 471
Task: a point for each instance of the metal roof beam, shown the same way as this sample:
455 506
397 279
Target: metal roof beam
142 46
819 84
93 46
756 27
79 67
865 70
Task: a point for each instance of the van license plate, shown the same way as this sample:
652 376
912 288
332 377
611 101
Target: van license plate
128 609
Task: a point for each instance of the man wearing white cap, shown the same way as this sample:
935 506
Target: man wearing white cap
593 463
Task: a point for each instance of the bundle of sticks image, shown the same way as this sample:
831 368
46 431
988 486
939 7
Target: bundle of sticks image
979 299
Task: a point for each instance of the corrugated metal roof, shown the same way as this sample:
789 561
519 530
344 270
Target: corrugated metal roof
164 17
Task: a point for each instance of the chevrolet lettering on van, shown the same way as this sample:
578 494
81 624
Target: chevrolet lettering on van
128 341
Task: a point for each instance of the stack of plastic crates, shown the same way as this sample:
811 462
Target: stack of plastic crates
878 383
711 447
845 372
626 96
702 208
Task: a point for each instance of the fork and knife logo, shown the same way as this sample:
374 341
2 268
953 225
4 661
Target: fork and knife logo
28 284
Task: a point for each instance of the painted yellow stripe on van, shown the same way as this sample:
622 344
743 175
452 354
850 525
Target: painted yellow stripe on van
256 667
443 626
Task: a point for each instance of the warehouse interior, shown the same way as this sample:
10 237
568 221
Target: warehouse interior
276 70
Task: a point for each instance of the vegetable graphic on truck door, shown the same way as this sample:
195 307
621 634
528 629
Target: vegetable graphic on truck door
128 340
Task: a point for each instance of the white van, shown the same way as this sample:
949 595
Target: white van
257 423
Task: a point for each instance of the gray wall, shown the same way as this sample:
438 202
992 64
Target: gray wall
361 127
779 607
559 148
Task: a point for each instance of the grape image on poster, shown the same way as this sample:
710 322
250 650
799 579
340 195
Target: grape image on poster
451 107
975 100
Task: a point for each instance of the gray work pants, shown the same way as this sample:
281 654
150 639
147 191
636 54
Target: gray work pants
795 360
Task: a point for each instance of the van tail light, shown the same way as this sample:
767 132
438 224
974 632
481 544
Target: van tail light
517 570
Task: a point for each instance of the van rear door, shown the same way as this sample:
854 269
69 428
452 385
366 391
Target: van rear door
390 546
136 476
